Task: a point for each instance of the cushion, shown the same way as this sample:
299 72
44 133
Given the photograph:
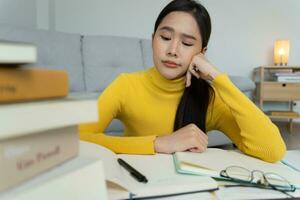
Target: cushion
105 57
245 84
147 53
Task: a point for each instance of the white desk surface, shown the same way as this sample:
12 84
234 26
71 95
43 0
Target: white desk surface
82 187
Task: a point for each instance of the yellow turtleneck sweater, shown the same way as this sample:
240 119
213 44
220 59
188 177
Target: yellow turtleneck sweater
146 103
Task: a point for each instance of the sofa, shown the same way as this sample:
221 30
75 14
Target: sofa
93 61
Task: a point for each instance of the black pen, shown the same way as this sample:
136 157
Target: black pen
133 172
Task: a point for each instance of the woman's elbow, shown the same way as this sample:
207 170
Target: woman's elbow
276 148
276 153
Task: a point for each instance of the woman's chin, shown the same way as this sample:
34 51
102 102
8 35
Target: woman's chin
170 73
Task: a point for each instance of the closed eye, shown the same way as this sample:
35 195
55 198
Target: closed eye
187 44
165 38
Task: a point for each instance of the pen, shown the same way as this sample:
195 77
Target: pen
133 172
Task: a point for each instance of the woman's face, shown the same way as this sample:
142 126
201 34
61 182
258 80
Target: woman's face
175 42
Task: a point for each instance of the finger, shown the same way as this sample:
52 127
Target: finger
197 142
188 79
194 70
201 133
202 143
195 150
201 139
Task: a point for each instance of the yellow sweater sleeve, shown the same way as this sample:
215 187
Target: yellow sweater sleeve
244 123
110 105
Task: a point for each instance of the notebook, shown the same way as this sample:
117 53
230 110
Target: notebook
213 161
158 169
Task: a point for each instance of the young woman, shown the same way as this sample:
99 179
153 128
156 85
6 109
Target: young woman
171 106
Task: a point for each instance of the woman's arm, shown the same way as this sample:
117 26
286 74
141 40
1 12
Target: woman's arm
244 123
236 116
110 105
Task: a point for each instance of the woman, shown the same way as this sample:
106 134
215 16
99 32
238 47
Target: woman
171 106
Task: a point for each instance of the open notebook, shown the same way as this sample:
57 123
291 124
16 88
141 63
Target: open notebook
159 170
213 161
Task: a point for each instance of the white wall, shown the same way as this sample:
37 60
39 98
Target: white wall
243 31
133 18
18 12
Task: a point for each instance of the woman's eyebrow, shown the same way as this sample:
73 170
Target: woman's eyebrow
167 28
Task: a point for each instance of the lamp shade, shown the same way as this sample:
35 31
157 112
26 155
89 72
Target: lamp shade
281 52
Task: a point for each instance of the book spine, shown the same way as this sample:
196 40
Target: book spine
24 157
21 84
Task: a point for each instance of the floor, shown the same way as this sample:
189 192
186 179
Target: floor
292 140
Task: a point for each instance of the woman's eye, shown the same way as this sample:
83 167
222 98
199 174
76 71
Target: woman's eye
165 38
187 44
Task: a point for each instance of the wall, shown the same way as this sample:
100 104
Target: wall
242 36
18 12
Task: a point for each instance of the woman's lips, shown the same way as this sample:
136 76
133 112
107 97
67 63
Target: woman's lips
170 64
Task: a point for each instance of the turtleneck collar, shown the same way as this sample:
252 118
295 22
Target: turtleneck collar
160 82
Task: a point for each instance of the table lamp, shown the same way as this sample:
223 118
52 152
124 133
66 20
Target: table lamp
281 52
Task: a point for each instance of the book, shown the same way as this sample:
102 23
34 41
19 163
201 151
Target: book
30 117
24 84
213 161
293 74
158 169
295 79
17 52
283 113
77 178
23 157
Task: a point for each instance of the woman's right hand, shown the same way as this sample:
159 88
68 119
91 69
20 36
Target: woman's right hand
187 138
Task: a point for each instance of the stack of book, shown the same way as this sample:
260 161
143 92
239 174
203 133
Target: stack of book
287 76
21 83
35 135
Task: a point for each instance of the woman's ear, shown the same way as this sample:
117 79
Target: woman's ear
204 50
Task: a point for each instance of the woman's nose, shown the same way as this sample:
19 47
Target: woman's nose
173 49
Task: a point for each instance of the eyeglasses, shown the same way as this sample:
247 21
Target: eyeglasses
267 180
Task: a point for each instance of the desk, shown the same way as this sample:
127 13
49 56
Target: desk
89 184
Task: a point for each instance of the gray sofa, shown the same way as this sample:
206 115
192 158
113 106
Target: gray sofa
94 61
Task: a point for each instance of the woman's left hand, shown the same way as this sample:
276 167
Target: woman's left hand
201 68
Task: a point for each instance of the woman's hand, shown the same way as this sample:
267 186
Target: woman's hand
201 68
188 138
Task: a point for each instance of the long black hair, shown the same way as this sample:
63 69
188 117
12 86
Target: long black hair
196 98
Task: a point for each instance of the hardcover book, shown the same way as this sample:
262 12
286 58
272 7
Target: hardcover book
24 84
26 156
17 52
